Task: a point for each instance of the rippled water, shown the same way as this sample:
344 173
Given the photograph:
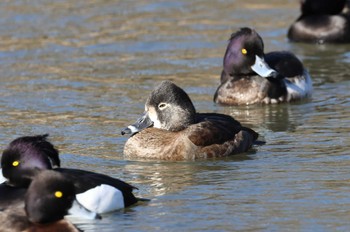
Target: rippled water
81 71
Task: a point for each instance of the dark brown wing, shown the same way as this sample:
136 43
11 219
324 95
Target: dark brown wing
212 128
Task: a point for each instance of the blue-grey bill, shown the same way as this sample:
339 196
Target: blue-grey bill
142 123
262 68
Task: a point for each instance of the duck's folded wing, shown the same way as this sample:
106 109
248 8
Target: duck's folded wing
285 63
85 180
215 129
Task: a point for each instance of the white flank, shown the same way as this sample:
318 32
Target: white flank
2 178
299 87
77 210
102 199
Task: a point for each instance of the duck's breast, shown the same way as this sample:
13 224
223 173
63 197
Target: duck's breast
242 91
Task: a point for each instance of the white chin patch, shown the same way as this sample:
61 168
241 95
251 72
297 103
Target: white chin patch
299 87
157 124
152 114
102 199
2 178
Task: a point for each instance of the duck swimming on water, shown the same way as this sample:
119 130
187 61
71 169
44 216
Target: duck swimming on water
250 76
171 129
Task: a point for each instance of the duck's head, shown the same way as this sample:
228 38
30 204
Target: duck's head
245 55
49 197
25 153
168 107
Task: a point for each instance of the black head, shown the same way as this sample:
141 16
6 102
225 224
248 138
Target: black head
49 197
322 7
28 152
168 107
243 47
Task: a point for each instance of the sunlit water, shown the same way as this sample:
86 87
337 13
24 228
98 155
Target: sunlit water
81 71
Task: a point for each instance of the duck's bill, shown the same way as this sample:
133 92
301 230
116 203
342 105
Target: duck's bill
78 210
142 123
262 68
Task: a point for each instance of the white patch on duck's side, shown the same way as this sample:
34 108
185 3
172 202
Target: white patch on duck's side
77 210
102 199
2 178
299 87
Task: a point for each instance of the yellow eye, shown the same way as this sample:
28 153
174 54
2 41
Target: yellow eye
58 194
244 51
15 163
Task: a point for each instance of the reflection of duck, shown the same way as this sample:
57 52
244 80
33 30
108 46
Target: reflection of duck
248 79
49 197
326 62
97 192
177 132
321 21
276 118
164 178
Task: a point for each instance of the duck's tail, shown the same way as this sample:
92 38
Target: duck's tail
255 136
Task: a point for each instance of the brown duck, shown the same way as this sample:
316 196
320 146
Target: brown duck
170 129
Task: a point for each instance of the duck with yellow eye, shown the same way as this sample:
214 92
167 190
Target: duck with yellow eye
49 198
97 192
251 77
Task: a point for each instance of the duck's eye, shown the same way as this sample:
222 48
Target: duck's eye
162 106
15 163
58 194
244 51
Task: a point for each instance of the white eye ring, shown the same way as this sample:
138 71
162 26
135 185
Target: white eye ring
162 105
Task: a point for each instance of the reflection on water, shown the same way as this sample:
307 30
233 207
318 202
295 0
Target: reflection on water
165 177
82 71
330 65
275 118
